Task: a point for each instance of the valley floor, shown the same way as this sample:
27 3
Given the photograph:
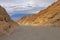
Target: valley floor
34 33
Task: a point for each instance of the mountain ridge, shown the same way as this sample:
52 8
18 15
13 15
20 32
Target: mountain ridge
7 25
47 17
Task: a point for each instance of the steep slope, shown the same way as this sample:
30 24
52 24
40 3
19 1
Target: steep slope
26 19
6 24
47 17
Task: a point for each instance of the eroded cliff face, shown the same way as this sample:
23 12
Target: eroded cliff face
6 24
47 17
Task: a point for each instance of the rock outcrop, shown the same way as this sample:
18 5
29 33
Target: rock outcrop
47 17
6 24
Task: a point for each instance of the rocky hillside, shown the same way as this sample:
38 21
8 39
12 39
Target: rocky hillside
47 17
6 24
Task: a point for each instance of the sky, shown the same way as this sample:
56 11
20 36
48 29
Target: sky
25 6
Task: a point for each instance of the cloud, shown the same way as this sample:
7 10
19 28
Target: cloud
23 5
26 2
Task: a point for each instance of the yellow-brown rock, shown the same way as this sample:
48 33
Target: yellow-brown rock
6 24
47 17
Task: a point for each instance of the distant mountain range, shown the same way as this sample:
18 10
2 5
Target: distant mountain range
19 14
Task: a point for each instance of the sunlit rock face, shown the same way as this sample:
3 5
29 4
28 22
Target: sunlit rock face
6 24
47 17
